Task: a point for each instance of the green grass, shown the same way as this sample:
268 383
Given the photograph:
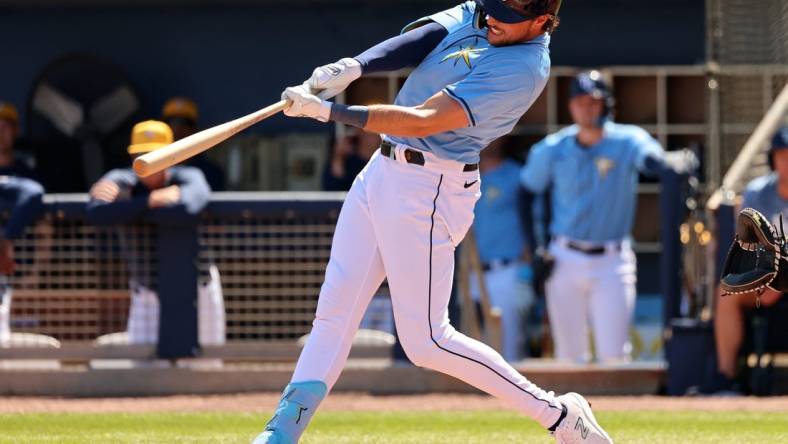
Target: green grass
373 428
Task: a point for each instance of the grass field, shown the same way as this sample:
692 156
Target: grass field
356 427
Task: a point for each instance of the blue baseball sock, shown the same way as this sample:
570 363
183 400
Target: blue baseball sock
296 408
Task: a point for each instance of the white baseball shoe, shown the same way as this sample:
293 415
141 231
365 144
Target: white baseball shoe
579 426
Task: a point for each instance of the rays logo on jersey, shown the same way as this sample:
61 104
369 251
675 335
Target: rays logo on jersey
604 165
492 193
465 54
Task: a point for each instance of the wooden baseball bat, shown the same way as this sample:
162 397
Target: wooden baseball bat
165 157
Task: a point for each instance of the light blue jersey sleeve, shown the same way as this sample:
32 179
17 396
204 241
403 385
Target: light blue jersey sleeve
497 86
645 146
535 175
451 19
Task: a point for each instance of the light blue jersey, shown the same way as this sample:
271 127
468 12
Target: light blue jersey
497 223
761 194
494 85
594 189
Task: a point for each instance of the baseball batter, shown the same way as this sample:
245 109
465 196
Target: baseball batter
478 68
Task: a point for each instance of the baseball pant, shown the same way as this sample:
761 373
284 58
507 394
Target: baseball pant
596 287
513 298
403 221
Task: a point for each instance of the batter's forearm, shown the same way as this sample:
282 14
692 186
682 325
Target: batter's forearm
440 113
390 119
401 121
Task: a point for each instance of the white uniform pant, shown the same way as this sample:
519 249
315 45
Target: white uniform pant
5 315
143 324
596 287
513 298
403 221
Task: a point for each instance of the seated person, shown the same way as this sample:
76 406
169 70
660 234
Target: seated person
171 202
769 195
20 194
22 198
11 163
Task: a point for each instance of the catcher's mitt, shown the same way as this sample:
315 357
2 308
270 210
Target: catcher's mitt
758 257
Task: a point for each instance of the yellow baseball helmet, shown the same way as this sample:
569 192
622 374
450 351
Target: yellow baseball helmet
180 107
8 112
148 136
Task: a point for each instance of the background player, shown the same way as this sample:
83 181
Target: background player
499 235
171 201
592 170
769 195
20 191
182 114
413 203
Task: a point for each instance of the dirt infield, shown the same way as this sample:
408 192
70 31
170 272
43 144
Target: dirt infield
265 402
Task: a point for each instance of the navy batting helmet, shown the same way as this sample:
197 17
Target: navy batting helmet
779 142
592 83
514 11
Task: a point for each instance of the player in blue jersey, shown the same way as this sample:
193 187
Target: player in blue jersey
478 67
769 195
501 244
591 169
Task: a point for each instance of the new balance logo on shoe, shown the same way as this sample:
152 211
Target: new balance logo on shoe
582 428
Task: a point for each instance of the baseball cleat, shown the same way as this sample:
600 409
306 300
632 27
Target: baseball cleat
579 426
296 407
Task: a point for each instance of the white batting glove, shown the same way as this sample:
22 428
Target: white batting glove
329 80
303 104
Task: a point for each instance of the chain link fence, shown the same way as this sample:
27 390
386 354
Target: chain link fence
73 280
753 32
748 55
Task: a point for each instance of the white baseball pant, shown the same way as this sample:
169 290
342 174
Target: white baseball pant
403 221
599 287
513 298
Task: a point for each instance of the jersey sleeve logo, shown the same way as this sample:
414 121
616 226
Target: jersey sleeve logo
604 165
464 53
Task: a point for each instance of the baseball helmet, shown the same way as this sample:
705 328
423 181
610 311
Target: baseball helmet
593 84
513 11
779 142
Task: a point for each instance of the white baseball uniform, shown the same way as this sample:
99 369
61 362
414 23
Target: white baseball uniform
593 197
403 220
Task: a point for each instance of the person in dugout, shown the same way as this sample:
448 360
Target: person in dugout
170 202
182 115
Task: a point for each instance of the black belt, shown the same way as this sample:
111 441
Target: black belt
415 157
487 266
593 251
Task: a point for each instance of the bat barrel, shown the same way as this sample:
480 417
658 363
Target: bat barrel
155 161
145 167
167 156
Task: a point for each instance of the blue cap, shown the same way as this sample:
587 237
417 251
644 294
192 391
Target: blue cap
589 83
780 139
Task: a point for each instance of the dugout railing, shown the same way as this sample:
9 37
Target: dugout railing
72 281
